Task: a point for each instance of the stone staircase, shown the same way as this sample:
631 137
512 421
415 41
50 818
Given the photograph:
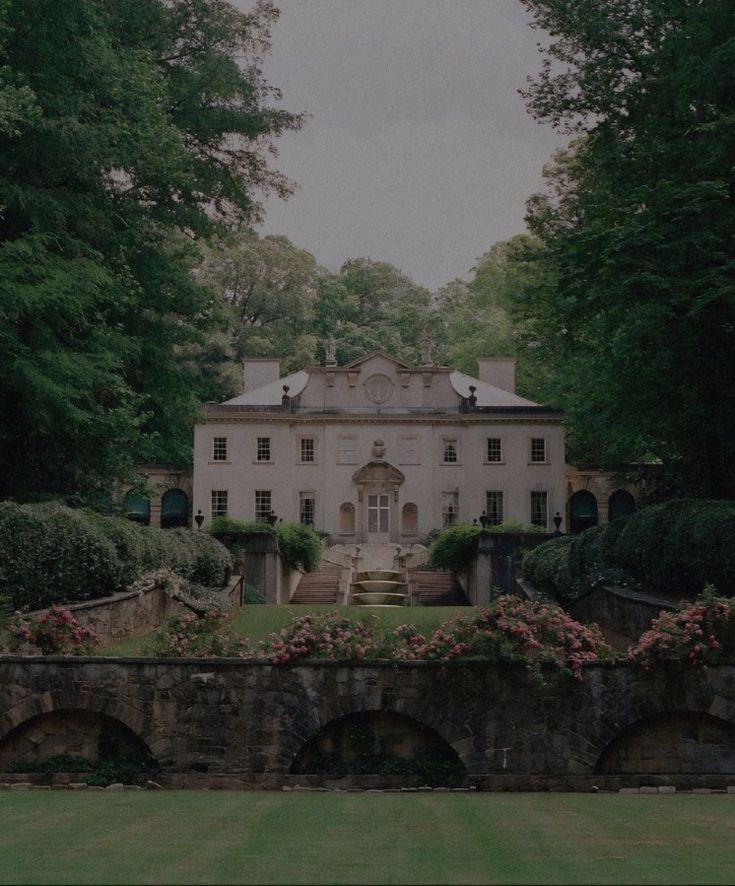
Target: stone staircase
322 586
432 588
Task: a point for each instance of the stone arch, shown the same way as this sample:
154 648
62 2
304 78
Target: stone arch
682 742
379 743
582 511
137 508
74 732
174 509
409 519
347 518
620 504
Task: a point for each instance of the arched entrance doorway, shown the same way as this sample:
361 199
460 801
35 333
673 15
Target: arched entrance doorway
582 511
138 508
377 494
621 504
174 509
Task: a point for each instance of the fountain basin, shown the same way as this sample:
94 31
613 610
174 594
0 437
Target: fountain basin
379 599
378 586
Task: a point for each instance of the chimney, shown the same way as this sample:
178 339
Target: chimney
500 372
259 371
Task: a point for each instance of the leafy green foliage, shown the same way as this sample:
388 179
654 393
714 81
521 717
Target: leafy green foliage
299 546
127 131
232 524
50 553
455 548
547 569
636 224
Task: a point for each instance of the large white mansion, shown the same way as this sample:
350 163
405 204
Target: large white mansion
379 451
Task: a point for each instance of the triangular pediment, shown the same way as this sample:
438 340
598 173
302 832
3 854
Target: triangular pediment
372 355
378 472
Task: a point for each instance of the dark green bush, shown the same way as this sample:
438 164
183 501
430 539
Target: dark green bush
455 548
230 524
252 596
584 551
547 568
299 546
50 554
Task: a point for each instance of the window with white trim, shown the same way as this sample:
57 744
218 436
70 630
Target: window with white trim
219 449
450 508
538 450
450 452
540 509
307 452
494 449
494 507
219 503
263 449
263 505
307 508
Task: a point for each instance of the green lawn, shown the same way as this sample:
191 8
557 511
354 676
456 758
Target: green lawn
259 621
237 837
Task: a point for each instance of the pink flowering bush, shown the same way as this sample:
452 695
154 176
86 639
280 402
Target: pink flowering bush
512 629
698 634
55 632
329 636
190 635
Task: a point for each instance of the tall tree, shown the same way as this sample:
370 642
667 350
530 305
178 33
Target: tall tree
637 221
124 128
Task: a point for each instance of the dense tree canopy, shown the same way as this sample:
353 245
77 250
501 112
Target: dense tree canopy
637 223
127 131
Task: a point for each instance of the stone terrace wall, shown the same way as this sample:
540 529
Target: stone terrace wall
238 723
621 609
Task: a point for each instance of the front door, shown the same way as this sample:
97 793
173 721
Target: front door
378 519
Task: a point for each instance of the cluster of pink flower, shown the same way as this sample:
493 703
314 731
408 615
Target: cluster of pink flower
55 632
319 636
194 636
512 629
699 634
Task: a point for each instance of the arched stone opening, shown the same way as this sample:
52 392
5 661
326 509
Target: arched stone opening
138 508
582 511
174 509
409 519
673 742
620 504
73 734
380 743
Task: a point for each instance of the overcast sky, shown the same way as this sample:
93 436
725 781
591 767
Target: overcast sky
418 150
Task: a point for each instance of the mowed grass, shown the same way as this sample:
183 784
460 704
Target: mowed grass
236 837
257 622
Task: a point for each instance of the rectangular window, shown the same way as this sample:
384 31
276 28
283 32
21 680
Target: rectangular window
262 505
263 449
219 449
451 452
538 450
494 507
306 450
494 449
450 508
346 450
540 509
306 508
219 503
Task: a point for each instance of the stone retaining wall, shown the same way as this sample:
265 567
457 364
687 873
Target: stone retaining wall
235 723
622 610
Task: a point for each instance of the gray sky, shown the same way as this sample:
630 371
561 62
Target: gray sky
419 150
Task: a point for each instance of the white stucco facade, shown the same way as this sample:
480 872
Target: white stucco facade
379 451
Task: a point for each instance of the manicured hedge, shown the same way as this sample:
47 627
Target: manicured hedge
455 548
299 546
674 549
50 554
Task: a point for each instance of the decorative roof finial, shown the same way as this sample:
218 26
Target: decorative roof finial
330 352
426 350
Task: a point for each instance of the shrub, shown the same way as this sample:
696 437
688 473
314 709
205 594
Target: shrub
518 527
55 632
455 548
547 569
191 636
329 636
697 635
211 563
252 596
51 553
230 524
299 546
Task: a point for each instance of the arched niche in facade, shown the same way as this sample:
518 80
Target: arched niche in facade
174 509
347 518
582 511
620 504
409 519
